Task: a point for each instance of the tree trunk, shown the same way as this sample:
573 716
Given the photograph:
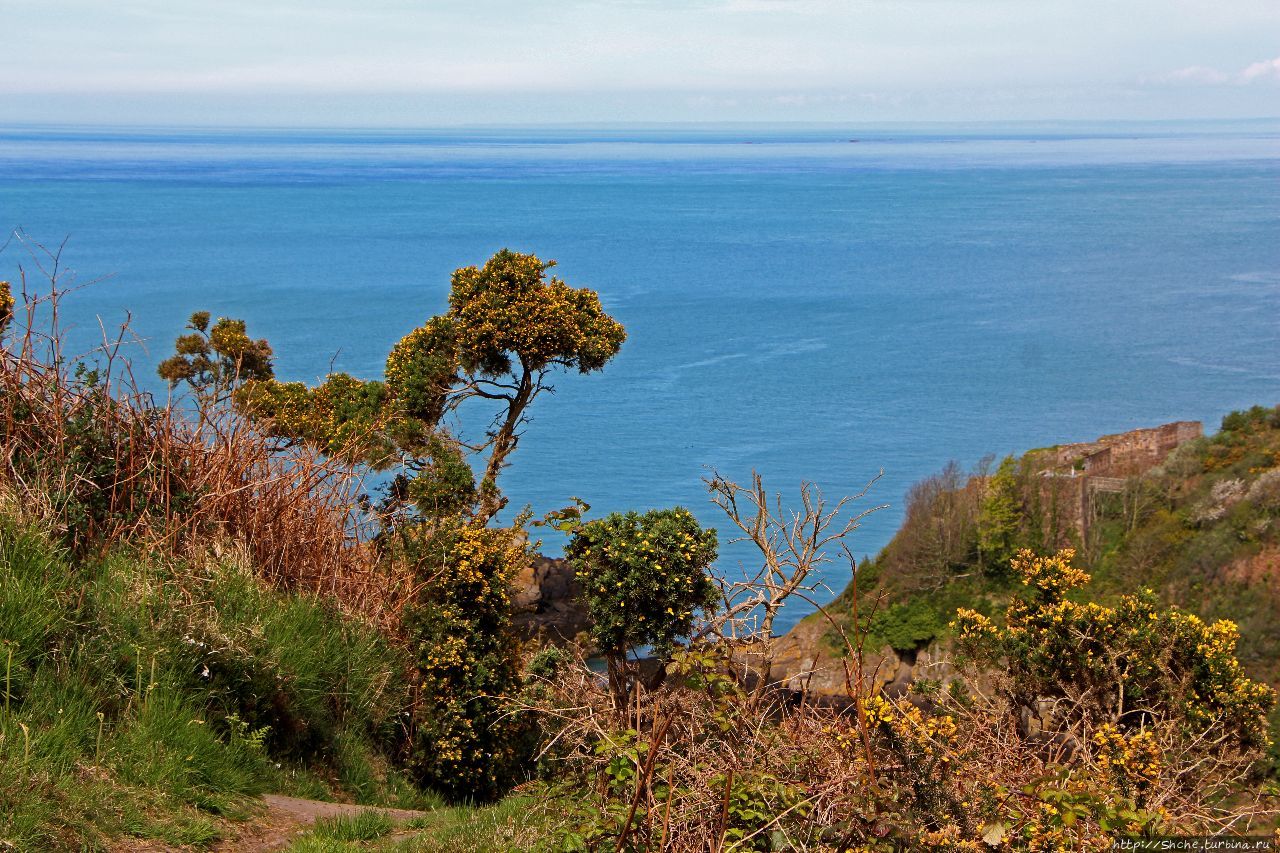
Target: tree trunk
504 441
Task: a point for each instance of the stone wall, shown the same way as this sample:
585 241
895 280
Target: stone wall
1123 454
1074 474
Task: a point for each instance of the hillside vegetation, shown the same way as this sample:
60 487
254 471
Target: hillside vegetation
1201 530
266 586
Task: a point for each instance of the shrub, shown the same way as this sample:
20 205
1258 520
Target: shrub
906 626
644 577
466 657
1113 674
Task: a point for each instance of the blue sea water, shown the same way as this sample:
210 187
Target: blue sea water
816 303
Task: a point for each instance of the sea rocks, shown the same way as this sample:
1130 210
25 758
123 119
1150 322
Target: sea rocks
547 601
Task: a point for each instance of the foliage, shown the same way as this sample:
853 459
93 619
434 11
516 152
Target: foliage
466 658
643 578
1202 529
905 626
94 459
170 692
508 326
364 826
699 763
94 465
1118 677
1000 517
215 360
6 306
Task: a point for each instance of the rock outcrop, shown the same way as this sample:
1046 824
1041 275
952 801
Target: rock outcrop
547 602
806 662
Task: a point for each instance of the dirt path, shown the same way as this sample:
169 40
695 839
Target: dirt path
286 818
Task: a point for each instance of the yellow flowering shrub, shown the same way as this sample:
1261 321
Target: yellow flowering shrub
213 360
510 308
6 306
1133 761
462 743
643 578
1127 666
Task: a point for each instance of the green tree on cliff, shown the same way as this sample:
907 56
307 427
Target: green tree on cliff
509 327
1000 518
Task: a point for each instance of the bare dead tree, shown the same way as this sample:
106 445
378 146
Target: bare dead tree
792 543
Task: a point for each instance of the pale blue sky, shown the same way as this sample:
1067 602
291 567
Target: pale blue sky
398 62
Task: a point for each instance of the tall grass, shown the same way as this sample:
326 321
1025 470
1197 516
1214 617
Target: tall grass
148 697
84 449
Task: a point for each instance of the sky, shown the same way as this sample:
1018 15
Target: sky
424 62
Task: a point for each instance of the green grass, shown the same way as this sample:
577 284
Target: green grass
141 698
521 822
365 826
518 823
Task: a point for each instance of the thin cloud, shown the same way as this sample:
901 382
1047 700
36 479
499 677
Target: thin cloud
1266 70
1201 75
1197 74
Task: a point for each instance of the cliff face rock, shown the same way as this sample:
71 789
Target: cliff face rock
547 600
804 662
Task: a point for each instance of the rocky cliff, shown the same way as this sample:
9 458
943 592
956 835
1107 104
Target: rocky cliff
1196 519
547 602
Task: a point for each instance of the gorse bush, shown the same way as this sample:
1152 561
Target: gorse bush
644 577
1130 667
464 743
700 763
1150 699
215 360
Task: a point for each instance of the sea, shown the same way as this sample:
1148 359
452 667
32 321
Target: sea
848 306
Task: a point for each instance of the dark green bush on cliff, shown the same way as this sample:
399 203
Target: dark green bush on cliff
643 577
905 626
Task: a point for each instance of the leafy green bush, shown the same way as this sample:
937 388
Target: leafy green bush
906 625
643 577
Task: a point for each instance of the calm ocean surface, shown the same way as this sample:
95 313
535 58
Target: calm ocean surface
819 304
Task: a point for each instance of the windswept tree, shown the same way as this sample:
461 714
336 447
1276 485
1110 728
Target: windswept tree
509 327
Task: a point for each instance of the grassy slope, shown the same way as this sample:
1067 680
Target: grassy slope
145 700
